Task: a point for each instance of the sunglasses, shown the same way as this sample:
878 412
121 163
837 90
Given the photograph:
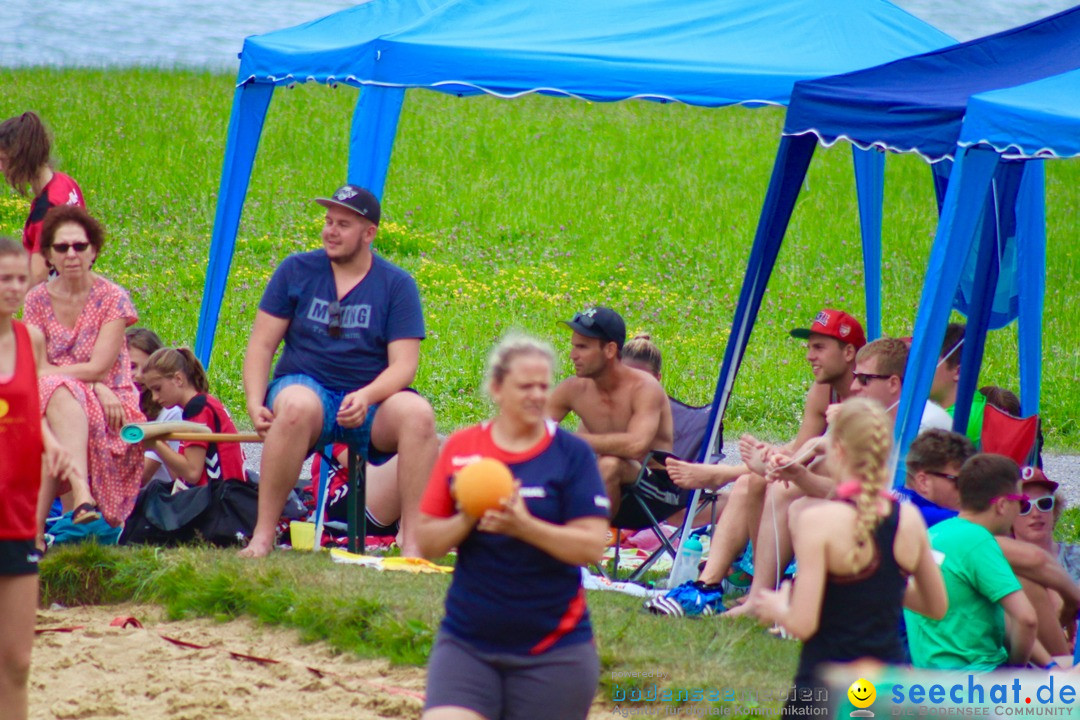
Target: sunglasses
583 319
1018 497
333 328
63 248
1044 504
947 476
865 378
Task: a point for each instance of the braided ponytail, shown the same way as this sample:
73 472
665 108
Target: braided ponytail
862 430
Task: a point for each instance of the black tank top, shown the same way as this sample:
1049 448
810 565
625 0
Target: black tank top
860 614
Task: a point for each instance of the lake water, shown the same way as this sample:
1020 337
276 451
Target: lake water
210 33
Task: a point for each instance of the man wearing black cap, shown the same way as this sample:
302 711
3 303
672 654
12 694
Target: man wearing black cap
351 325
624 412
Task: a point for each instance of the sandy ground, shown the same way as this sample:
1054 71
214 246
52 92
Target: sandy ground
110 672
98 672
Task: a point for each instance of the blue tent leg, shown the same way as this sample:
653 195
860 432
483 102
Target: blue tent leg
987 270
870 183
1031 269
374 126
999 230
792 159
250 102
968 185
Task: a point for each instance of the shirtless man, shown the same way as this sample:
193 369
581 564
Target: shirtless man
624 412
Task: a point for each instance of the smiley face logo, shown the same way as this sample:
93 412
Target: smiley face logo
4 407
862 693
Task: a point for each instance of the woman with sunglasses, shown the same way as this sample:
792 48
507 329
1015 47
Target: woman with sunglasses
516 641
24 159
1035 524
86 387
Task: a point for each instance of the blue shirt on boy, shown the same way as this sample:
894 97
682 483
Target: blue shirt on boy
381 308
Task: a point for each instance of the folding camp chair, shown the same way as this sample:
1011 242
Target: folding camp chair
355 498
653 497
1016 437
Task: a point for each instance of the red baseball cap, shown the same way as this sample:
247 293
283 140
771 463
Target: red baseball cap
834 323
1029 475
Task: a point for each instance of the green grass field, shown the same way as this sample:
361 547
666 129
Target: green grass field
510 215
514 214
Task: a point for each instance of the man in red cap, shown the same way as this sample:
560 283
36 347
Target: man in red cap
832 342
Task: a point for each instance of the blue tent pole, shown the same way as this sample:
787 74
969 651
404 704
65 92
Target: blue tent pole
870 184
792 159
250 102
968 184
374 126
1031 269
987 270
940 172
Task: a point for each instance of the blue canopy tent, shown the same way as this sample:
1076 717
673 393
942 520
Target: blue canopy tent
916 105
702 52
1005 132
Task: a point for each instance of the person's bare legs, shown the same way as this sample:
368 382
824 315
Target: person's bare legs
18 608
1049 631
65 413
616 472
298 417
729 535
772 544
405 423
755 488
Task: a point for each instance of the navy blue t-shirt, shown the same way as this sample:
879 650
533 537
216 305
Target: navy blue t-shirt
383 307
506 595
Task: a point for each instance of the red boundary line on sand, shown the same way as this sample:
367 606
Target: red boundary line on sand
129 621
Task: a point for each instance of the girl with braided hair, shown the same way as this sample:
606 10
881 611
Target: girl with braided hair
862 556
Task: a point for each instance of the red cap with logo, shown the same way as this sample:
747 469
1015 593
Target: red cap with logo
1030 475
834 323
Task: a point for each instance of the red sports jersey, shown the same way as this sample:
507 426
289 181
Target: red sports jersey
20 444
61 190
223 460
508 596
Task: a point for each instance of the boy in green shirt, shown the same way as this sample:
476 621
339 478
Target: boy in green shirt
981 586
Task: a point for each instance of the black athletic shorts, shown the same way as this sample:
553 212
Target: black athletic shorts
18 557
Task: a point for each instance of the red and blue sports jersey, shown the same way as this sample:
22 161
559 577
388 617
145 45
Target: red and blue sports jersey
225 460
508 596
61 190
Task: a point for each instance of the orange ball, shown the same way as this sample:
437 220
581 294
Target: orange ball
482 485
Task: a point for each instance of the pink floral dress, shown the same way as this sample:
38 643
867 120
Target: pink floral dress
115 466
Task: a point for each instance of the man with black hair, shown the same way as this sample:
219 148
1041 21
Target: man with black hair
982 588
624 412
947 378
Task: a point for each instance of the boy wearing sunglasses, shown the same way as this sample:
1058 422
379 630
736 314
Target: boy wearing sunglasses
879 375
933 468
981 586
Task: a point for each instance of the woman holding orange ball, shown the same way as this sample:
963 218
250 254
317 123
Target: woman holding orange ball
516 640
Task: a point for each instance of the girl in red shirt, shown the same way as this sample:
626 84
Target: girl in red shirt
177 379
24 439
24 160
